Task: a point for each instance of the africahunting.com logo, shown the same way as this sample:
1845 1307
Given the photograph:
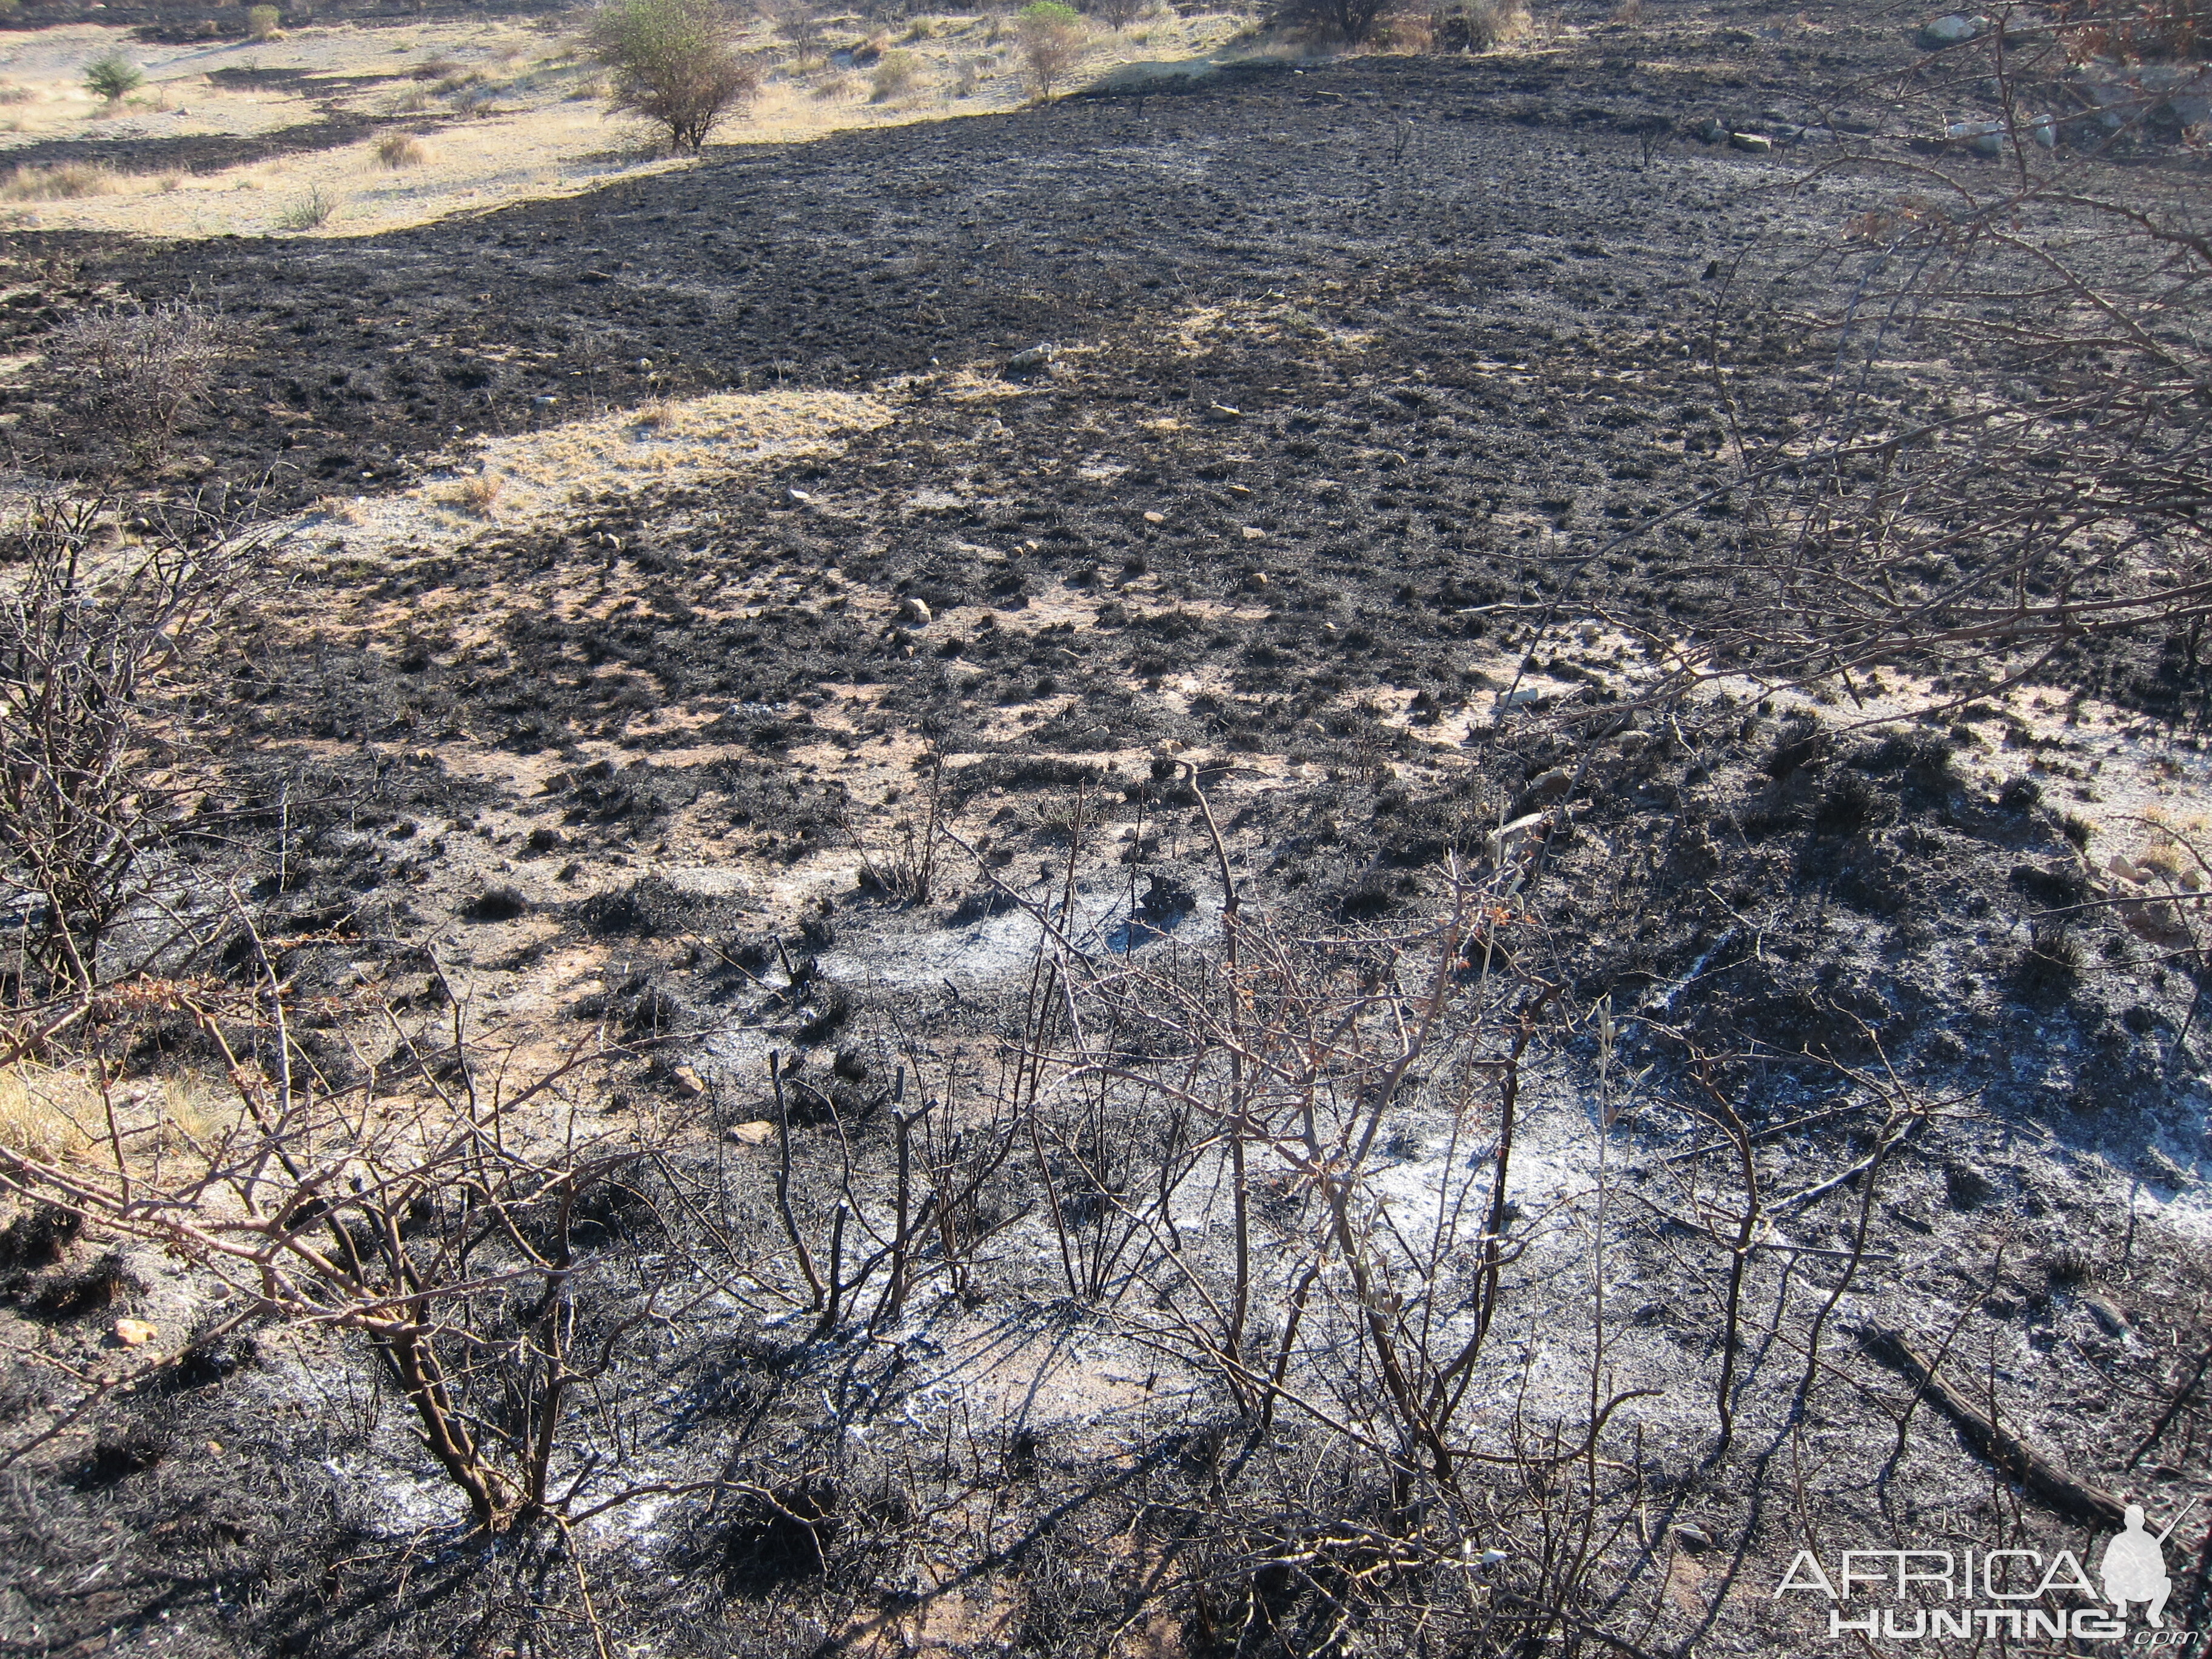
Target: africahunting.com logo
1917 1595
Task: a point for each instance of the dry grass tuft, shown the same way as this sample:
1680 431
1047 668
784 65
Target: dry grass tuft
64 182
400 149
480 495
48 1114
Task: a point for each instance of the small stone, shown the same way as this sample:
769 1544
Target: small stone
800 496
1950 31
1252 532
1758 144
1696 1540
215 1449
1224 411
133 1333
2107 1315
756 1133
645 365
1156 518
688 1082
1037 356
912 610
1711 130
1257 579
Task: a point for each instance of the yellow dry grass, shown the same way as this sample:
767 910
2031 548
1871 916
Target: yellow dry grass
670 442
56 1114
512 105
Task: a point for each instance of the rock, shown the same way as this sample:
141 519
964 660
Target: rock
1156 518
1038 357
2044 130
1252 532
1258 578
799 495
1758 144
1950 31
133 1333
688 1082
2107 1314
1696 1540
1711 130
1545 789
1224 411
758 1132
912 610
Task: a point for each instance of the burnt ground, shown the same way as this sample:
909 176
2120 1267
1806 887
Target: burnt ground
1348 356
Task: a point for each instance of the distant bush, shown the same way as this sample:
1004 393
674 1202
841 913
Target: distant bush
1477 25
1349 22
1116 15
894 76
113 78
58 184
1052 43
400 149
672 62
12 93
261 22
309 212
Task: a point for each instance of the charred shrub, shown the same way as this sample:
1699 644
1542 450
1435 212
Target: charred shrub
782 1534
1851 805
37 1238
2048 970
2056 884
72 1296
1799 744
119 1453
1920 761
501 904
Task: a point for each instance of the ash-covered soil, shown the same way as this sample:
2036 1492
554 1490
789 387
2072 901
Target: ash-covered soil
1348 360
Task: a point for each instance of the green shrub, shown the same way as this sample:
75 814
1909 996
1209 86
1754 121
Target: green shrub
261 22
1052 36
113 78
672 62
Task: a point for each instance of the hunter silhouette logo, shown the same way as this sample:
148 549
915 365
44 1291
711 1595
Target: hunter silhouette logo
1981 1594
2135 1565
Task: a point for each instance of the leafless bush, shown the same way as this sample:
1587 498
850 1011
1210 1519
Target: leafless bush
455 1230
98 645
139 368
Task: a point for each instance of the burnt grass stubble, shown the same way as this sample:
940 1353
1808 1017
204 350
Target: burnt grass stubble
1524 300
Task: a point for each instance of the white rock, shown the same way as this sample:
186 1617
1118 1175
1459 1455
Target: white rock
914 610
1951 30
1757 142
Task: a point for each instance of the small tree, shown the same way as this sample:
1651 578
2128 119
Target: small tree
670 61
113 78
261 22
1052 42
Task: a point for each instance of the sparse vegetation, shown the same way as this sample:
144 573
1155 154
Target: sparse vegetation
262 21
672 63
60 182
895 75
309 211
